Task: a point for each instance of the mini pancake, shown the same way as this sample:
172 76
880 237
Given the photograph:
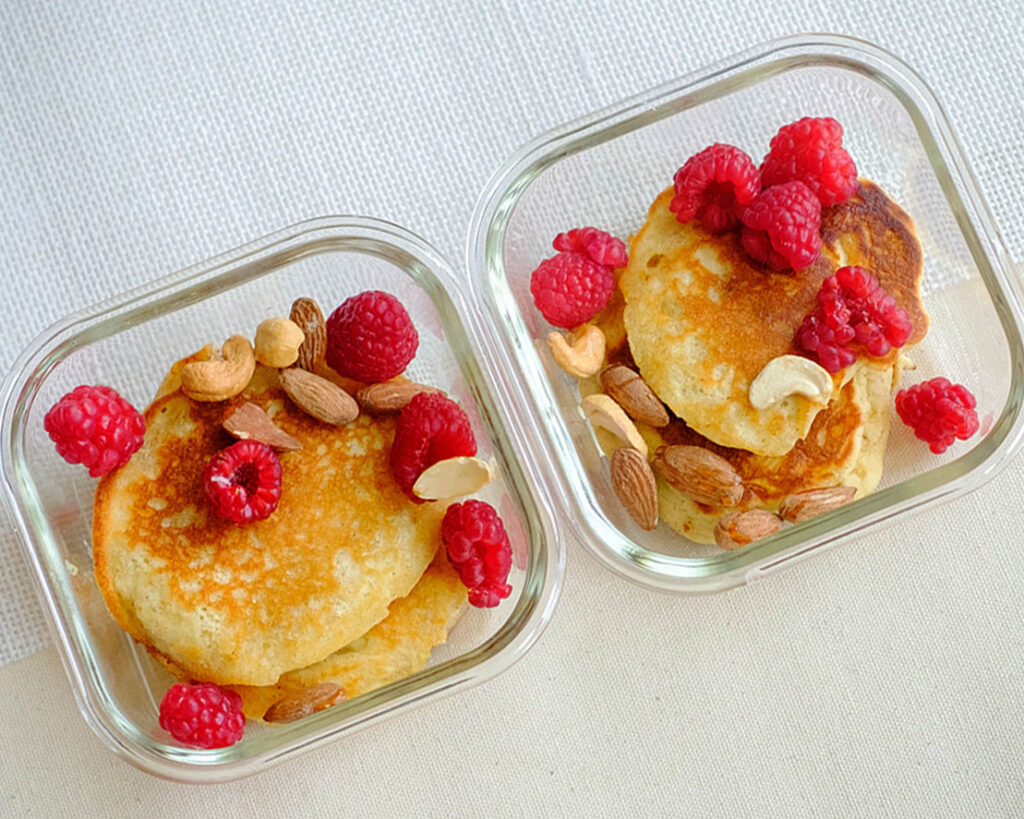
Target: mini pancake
703 318
395 648
244 604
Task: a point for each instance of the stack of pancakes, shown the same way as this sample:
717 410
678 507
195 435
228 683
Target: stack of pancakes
343 583
699 319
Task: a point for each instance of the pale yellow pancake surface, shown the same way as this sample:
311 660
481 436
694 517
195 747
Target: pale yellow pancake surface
243 605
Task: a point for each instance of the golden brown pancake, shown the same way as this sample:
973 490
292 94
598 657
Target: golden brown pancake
243 605
703 318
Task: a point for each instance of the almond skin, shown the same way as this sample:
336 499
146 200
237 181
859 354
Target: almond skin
635 486
737 529
250 422
319 397
633 395
389 396
305 702
307 314
699 474
801 506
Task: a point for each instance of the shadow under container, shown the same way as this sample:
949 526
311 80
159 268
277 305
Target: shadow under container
607 168
130 342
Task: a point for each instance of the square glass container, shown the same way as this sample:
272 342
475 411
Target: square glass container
129 343
607 168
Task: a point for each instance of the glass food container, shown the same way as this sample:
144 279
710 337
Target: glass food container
606 169
130 343
480 345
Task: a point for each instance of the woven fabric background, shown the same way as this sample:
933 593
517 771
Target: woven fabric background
882 678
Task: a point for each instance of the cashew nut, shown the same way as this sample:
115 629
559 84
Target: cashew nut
790 375
278 341
602 411
220 379
582 353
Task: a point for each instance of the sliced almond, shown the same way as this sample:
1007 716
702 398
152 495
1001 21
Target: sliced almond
250 422
305 702
635 486
602 411
452 478
634 395
801 506
307 314
699 474
390 396
737 529
319 397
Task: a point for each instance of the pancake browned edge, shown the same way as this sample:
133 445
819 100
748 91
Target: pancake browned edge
243 605
846 440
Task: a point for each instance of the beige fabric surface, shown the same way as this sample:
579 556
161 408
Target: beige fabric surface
883 678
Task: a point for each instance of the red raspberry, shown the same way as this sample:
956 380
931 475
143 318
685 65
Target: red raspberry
939 412
811 150
95 427
243 482
479 549
431 428
853 308
789 217
571 288
205 715
713 185
370 337
601 247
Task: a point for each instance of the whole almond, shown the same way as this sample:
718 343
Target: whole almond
305 702
389 396
635 486
250 422
633 395
319 397
801 506
307 314
699 474
737 529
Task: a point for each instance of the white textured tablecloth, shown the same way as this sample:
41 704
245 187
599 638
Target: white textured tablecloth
884 677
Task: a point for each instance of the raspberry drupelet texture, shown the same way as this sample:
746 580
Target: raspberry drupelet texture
370 337
782 227
204 715
853 309
431 428
939 412
571 288
713 185
95 427
811 150
479 549
601 247
243 482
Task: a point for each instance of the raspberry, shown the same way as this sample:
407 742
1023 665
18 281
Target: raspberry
713 185
243 482
939 412
790 217
601 247
811 150
571 288
853 308
431 428
479 549
370 337
95 427
205 715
